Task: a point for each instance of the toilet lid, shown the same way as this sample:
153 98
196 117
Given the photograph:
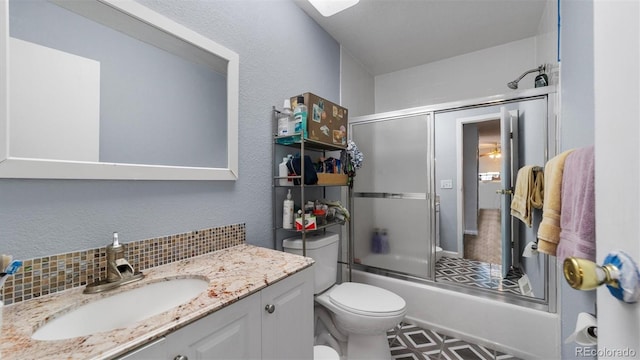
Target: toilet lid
366 299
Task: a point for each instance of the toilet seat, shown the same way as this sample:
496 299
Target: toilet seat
367 300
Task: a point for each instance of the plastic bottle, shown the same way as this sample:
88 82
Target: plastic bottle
289 113
287 212
300 116
283 172
285 120
384 242
375 241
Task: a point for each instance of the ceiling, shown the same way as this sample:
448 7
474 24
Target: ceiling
390 35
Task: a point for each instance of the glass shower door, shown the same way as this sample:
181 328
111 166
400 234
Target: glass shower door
390 196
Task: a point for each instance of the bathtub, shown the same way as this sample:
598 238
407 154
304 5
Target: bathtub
513 329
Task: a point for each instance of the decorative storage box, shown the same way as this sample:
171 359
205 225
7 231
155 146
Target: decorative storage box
326 121
332 179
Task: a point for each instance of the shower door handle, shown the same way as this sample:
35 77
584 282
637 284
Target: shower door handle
504 192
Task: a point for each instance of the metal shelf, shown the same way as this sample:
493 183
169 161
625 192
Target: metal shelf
309 186
313 144
298 142
320 227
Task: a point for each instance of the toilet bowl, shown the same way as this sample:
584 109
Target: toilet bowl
361 313
364 313
323 352
363 309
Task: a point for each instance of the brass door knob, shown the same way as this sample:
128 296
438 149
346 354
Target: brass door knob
583 274
619 272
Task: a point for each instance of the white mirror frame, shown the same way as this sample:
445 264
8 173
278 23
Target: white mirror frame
16 167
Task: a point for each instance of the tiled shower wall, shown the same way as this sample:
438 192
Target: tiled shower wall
50 274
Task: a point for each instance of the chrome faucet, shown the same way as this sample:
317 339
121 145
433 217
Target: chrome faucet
119 271
118 268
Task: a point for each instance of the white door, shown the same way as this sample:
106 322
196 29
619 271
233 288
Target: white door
617 138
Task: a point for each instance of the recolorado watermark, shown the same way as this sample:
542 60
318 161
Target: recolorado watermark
588 351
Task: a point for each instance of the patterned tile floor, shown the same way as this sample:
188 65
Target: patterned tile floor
486 246
411 342
478 274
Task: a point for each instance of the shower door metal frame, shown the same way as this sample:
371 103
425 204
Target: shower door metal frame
549 302
396 115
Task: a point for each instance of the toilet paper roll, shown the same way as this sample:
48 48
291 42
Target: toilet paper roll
530 250
586 330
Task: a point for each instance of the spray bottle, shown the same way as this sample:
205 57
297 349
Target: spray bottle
283 172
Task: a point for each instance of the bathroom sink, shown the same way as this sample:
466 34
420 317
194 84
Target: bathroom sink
121 310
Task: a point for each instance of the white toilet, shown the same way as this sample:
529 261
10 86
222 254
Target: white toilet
361 312
323 352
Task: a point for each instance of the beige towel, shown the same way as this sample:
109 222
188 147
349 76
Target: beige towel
528 193
549 230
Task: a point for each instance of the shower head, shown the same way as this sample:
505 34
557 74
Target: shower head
514 84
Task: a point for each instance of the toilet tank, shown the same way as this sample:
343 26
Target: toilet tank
323 249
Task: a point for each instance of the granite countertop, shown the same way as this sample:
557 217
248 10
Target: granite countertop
233 273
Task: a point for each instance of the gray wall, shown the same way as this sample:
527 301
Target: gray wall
282 52
477 74
470 176
578 124
356 86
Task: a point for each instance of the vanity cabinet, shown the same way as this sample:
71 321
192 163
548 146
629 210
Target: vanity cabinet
287 317
230 333
153 350
275 323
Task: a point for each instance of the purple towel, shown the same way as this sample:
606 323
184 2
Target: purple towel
577 219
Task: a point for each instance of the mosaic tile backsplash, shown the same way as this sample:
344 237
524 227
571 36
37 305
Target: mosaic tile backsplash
50 274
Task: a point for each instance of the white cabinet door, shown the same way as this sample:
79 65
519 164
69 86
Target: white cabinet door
276 323
230 333
287 318
152 351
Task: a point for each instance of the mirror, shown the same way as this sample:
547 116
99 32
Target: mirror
483 241
107 89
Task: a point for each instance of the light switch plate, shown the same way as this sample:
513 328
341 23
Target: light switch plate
446 184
